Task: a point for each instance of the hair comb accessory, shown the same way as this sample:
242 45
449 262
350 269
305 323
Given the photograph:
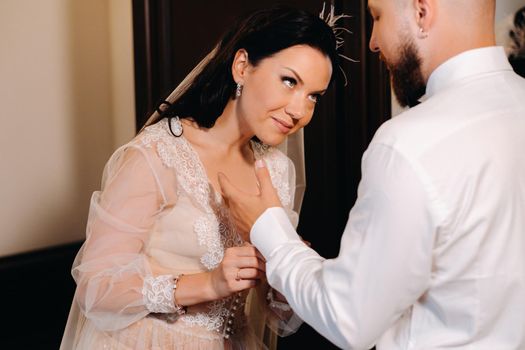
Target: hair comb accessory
331 19
159 109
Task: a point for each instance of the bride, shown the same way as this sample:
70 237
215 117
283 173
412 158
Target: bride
162 266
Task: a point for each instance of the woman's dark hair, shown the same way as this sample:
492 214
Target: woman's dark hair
517 35
262 34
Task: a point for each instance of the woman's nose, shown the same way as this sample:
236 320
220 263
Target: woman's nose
296 107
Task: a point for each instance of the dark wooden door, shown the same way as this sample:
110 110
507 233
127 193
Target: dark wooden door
170 37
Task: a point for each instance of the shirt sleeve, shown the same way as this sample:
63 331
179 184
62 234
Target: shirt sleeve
116 285
384 263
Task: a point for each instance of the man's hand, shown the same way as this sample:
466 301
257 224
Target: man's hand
246 208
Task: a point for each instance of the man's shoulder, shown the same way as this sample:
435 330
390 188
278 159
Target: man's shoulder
411 121
452 110
417 129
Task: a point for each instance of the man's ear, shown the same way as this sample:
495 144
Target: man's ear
240 66
425 11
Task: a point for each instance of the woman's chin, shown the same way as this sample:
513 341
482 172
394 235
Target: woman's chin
273 140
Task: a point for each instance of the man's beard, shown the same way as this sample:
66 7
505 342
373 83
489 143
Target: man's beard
407 80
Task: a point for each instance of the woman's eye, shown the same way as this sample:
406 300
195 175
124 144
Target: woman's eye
314 98
290 82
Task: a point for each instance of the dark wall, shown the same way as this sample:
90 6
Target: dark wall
36 293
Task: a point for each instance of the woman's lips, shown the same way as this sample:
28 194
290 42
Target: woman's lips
282 126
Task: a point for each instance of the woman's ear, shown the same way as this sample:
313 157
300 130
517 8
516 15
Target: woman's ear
240 66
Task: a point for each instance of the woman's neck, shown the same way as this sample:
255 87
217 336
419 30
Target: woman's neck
228 135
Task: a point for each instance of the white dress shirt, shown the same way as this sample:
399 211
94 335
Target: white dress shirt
433 254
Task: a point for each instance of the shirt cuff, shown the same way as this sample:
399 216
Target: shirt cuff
272 229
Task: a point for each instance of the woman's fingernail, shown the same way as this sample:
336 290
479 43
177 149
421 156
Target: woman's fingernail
259 163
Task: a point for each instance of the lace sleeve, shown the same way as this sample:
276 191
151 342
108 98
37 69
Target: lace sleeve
289 207
115 282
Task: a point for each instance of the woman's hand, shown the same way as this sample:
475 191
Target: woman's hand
241 268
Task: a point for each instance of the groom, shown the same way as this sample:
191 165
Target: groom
433 254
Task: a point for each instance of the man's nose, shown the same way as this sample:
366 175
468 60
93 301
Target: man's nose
372 44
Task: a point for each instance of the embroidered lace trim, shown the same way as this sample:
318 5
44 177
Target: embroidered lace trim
206 228
213 320
176 153
157 294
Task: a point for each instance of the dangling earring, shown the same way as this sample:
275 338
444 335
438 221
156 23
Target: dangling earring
238 90
175 126
422 33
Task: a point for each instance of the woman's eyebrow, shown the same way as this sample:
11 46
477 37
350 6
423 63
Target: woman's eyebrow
296 74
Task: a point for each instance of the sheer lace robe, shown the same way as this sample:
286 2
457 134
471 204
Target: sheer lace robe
156 217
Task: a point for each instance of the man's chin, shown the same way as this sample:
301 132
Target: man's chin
407 94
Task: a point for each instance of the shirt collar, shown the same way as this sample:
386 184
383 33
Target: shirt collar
467 64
